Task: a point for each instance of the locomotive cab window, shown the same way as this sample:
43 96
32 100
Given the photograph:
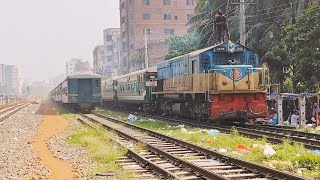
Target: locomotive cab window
229 59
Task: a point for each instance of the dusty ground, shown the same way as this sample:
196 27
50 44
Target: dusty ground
52 125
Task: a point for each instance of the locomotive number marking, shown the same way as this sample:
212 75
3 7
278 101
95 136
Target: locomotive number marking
236 74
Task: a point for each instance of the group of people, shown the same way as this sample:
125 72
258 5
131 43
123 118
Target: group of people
294 118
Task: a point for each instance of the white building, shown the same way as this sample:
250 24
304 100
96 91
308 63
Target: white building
112 43
71 65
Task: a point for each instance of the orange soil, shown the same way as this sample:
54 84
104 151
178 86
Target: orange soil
51 125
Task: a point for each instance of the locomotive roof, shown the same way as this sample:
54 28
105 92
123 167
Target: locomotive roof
197 52
150 69
83 76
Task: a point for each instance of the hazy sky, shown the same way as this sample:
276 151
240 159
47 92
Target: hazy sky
40 35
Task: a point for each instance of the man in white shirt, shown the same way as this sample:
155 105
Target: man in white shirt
295 118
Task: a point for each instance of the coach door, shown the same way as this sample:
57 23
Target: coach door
85 90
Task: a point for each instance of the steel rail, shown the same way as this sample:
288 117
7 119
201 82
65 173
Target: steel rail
205 173
149 165
273 137
268 172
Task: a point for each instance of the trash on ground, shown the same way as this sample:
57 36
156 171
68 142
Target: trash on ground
317 152
211 140
213 132
241 147
222 150
184 130
132 118
268 151
256 146
180 126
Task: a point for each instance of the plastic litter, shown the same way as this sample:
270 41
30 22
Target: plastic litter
241 147
180 126
184 130
213 132
255 146
317 152
268 151
132 118
222 150
211 140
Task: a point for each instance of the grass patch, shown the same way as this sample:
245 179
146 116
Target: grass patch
101 150
288 157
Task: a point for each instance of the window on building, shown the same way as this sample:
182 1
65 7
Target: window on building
146 16
190 2
166 2
169 31
109 48
167 16
148 31
123 19
146 2
109 58
109 38
189 16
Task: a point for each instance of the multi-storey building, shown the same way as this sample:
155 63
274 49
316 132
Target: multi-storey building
150 21
98 58
111 40
82 67
9 80
71 65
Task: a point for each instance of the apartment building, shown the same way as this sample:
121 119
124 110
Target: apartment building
9 79
111 41
150 21
98 58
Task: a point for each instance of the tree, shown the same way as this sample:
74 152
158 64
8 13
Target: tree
179 45
299 52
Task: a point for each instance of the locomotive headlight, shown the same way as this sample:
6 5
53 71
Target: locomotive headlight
224 72
224 83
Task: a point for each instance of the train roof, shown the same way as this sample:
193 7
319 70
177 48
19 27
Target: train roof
197 52
83 76
150 69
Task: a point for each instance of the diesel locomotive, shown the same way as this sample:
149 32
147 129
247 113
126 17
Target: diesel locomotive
80 92
220 83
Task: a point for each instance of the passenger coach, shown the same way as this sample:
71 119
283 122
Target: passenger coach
82 91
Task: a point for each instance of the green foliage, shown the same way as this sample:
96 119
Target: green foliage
179 45
294 61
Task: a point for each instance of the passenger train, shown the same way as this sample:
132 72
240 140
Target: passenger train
80 92
222 83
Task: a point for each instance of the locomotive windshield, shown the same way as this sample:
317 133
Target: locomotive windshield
229 59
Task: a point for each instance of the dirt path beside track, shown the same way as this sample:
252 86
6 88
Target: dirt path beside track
52 125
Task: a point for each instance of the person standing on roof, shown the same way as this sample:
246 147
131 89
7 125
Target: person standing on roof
220 27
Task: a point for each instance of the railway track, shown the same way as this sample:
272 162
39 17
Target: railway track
178 159
9 111
272 134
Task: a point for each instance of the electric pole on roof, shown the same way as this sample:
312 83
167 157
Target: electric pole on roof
242 28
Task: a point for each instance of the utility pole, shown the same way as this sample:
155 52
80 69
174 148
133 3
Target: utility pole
242 28
146 58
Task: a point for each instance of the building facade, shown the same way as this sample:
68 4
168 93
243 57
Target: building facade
111 39
71 65
98 58
9 80
147 23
